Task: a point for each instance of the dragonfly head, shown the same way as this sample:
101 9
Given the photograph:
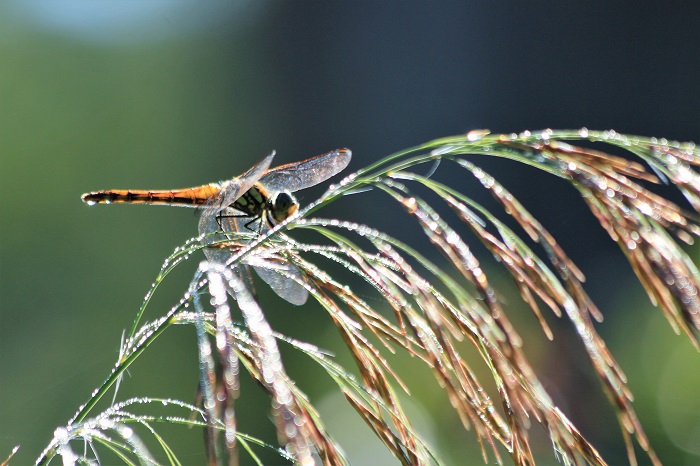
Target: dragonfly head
282 206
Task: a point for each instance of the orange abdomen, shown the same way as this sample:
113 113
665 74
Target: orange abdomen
187 197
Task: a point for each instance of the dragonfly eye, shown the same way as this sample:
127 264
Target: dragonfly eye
283 206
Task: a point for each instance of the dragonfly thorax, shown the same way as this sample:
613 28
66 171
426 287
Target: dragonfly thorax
273 207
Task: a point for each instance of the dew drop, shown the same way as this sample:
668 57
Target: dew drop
61 434
477 134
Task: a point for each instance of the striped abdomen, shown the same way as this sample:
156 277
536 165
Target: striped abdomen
187 197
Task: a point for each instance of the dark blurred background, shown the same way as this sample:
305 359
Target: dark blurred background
156 94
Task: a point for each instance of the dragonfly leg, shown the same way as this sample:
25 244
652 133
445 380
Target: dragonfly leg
220 216
252 220
247 225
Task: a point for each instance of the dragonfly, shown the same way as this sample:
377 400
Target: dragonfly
250 203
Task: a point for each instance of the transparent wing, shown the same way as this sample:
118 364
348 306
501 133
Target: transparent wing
233 189
241 271
286 288
274 273
300 175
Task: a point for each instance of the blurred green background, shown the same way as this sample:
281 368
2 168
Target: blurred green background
156 94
